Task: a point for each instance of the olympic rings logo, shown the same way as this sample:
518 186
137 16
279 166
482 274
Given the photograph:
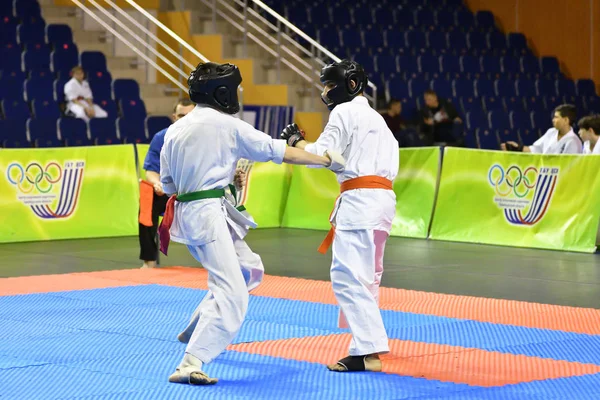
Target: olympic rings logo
513 180
34 176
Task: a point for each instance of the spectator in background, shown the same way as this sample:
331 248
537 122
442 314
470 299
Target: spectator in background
557 140
404 134
589 131
79 97
147 234
440 121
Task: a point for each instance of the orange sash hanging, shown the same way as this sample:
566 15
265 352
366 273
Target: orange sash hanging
146 200
362 182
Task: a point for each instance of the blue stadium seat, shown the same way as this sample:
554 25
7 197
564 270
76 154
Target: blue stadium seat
386 64
520 120
484 87
457 42
366 60
471 104
566 87
59 89
31 34
409 66
492 103
58 34
450 66
470 139
470 65
517 41
429 65
125 89
101 90
36 59
546 87
133 109
384 17
362 16
425 19
329 37
395 41
463 88
13 133
497 42
553 101
541 120
23 9
64 59
418 87
437 41
550 67
10 58
445 20
132 130
416 40
528 136
156 124
16 75
477 42
48 142
492 66
45 109
405 19
513 103
507 134
476 119
511 66
11 89
320 14
8 32
593 104
586 87
530 65
443 88
352 39
41 73
374 39
92 61
485 20
41 129
104 131
74 132
465 20
487 139
39 88
15 109
398 88
110 106
505 87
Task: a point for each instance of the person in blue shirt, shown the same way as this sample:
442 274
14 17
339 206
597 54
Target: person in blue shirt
147 234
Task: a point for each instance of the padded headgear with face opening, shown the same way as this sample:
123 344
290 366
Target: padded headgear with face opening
216 85
340 75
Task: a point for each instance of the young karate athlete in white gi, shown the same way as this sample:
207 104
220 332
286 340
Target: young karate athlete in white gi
80 98
198 162
589 130
557 140
363 213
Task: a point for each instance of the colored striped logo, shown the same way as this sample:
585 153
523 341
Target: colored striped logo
524 195
51 191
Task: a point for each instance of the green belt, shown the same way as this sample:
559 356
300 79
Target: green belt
207 194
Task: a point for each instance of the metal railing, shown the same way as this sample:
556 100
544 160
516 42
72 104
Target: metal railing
279 38
142 40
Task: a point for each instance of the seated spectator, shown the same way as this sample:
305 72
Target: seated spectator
589 131
558 140
439 120
79 97
406 135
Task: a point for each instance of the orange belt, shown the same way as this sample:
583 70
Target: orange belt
362 182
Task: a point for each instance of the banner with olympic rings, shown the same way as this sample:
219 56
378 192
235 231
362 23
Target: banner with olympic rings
66 193
314 192
518 199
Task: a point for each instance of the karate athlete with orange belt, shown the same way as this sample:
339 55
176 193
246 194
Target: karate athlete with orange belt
363 213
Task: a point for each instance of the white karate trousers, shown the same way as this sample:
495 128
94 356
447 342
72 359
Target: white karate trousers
233 271
356 271
79 111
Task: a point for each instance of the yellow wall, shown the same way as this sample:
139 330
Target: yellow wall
567 29
311 123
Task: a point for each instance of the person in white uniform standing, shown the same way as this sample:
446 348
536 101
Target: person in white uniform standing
197 164
557 140
364 211
80 100
589 130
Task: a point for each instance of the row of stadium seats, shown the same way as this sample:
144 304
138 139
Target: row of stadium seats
53 132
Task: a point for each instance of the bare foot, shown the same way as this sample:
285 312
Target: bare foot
149 264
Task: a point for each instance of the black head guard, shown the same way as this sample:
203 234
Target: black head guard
216 85
341 74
